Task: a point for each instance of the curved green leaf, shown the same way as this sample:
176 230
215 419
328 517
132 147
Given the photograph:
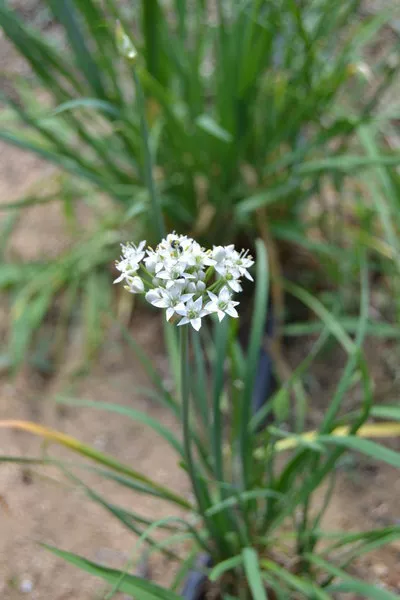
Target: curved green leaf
94 103
132 413
135 587
252 569
372 449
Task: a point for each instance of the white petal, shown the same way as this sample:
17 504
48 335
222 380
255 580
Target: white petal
195 323
184 321
198 303
186 297
211 307
219 253
235 285
120 278
161 303
152 295
213 297
220 268
221 315
163 275
247 275
169 313
225 294
232 312
181 311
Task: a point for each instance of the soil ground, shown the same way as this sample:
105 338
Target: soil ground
41 507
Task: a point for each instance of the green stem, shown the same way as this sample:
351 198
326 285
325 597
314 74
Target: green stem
185 391
148 161
199 489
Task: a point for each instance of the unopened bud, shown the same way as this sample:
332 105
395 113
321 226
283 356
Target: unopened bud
124 44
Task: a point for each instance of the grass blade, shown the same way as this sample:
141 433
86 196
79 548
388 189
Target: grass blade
75 445
224 566
252 569
132 413
256 338
128 584
348 583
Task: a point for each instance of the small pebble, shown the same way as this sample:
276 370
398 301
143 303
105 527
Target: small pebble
380 510
26 586
380 569
100 442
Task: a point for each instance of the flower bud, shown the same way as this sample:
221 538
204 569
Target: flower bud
124 44
136 286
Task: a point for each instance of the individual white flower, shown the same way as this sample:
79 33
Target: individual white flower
192 313
151 262
220 254
194 256
129 264
128 269
222 304
231 276
233 283
172 299
174 272
132 252
135 285
153 296
242 262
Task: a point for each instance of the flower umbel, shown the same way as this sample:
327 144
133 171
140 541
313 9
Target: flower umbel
185 279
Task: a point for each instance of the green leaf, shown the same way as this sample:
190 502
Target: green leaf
348 583
241 498
300 584
349 324
366 590
265 198
87 451
128 584
253 573
224 566
66 13
207 124
132 413
372 449
257 334
348 163
92 103
386 411
325 315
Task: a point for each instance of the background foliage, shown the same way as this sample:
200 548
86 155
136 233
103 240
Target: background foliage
258 112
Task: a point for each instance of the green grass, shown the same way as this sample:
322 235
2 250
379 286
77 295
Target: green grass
256 109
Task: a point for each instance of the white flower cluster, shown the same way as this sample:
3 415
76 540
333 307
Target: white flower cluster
185 279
